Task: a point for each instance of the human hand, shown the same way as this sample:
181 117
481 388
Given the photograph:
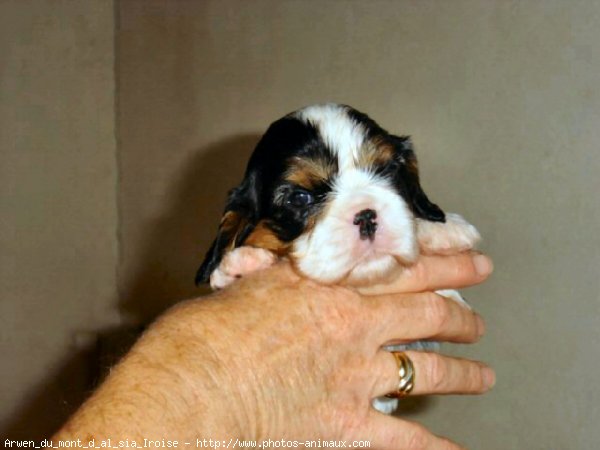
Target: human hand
279 356
298 359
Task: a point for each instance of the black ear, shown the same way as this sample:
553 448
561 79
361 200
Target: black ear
238 221
408 179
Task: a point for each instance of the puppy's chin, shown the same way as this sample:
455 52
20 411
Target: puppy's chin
370 267
373 269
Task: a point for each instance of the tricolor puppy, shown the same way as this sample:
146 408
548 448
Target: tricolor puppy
336 194
339 196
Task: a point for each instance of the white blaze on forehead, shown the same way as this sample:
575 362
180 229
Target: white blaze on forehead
342 135
333 249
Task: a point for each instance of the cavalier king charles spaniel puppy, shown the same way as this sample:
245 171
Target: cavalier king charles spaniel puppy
339 196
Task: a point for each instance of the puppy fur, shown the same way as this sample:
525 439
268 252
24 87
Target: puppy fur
309 176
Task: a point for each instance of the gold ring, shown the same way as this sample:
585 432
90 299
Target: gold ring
406 372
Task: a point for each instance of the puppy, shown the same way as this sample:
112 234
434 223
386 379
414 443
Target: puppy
339 196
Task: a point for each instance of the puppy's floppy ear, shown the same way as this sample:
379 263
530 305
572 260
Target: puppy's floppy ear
238 221
421 206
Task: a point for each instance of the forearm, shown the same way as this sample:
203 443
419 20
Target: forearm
162 389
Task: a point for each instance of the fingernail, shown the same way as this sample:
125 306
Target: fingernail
489 377
483 265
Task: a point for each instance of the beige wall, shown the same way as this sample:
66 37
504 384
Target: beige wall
503 101
58 247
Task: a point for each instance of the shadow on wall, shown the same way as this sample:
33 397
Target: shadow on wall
163 273
46 408
174 245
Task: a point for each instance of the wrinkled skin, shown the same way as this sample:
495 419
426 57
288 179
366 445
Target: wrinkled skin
279 356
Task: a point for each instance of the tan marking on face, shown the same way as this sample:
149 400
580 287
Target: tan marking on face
229 221
264 237
231 225
376 152
308 173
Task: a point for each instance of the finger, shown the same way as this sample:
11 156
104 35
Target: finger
424 316
388 432
434 374
437 272
283 270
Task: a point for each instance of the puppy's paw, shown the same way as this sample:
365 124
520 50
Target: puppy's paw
385 405
239 262
454 295
444 238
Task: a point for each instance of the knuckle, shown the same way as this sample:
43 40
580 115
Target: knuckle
438 311
463 268
469 324
420 274
475 378
336 312
345 417
437 372
418 439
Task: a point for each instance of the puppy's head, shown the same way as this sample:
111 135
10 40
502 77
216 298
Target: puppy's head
332 190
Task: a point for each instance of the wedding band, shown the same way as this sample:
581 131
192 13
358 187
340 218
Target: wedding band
406 372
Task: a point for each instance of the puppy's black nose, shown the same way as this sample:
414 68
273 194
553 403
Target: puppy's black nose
367 226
